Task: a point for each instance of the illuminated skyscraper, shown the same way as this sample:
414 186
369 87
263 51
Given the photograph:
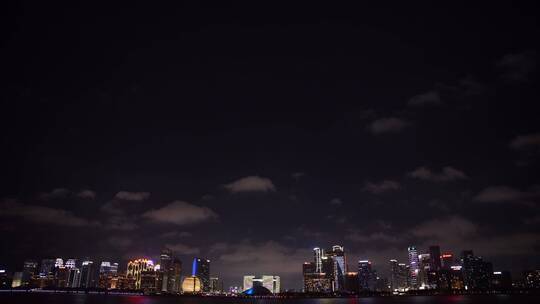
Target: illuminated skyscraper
317 255
337 254
71 263
59 262
413 266
108 267
201 269
135 269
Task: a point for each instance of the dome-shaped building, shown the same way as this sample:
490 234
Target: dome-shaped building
257 291
191 285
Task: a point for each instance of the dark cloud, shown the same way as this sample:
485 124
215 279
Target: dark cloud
55 194
382 187
180 213
132 196
336 201
251 184
448 174
43 214
176 234
517 67
426 99
500 194
388 125
86 194
183 249
523 142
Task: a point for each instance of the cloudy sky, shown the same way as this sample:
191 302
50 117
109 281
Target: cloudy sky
249 135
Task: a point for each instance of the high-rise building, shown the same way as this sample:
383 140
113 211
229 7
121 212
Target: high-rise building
30 269
447 260
59 262
135 269
74 277
501 281
337 255
47 267
435 257
71 263
413 266
317 255
89 275
366 275
476 272
108 268
165 262
201 269
352 284
216 285
394 275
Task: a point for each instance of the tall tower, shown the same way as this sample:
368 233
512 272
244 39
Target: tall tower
435 257
413 264
337 254
318 253
201 269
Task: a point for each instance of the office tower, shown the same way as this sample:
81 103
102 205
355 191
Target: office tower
191 285
71 263
394 274
318 254
201 269
435 257
74 278
476 272
135 269
88 275
447 260
425 274
501 281
352 284
216 285
403 279
165 267
339 263
47 267
108 267
413 266
30 269
149 281
365 275
308 268
174 276
62 276
59 262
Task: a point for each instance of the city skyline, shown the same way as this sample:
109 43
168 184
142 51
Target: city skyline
249 134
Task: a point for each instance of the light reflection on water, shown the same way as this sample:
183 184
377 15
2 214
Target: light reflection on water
35 298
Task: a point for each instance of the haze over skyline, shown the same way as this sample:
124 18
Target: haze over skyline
250 134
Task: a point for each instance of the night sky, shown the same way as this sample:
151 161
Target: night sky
250 134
